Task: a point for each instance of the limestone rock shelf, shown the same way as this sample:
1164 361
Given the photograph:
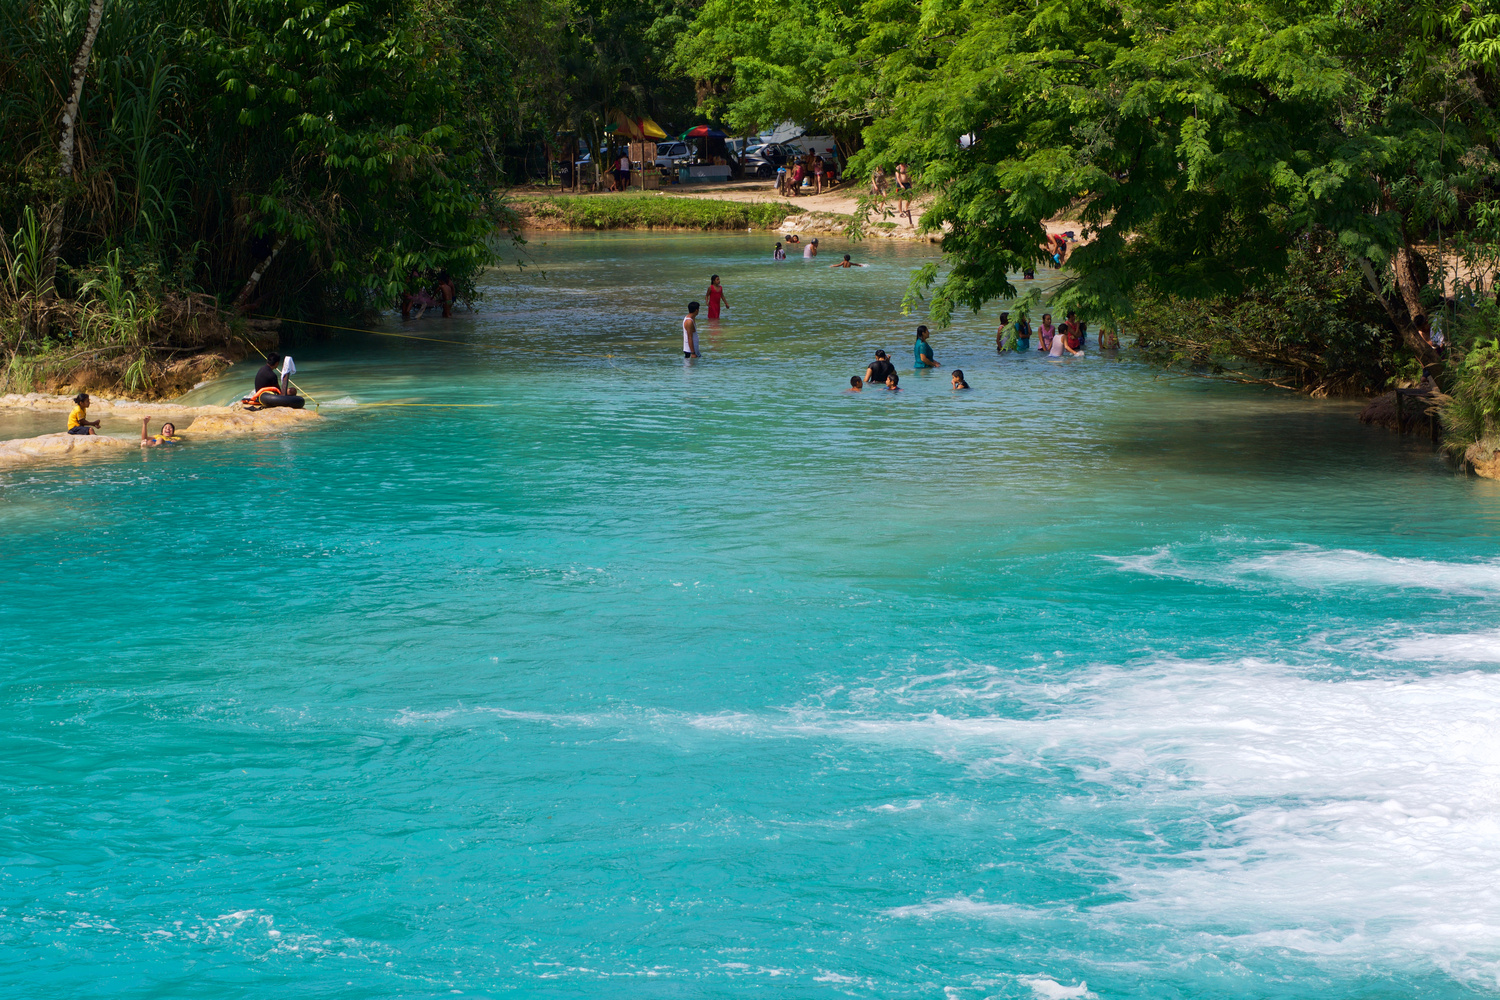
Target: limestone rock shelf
194 423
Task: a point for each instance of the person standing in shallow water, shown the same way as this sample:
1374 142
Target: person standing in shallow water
1047 333
690 332
715 297
879 370
923 350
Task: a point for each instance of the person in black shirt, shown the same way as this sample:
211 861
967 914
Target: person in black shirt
880 369
268 377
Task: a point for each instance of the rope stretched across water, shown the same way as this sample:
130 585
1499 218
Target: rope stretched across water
434 340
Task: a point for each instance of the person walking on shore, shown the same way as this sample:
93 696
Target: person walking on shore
903 192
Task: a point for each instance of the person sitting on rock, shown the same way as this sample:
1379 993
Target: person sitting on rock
168 434
268 377
78 422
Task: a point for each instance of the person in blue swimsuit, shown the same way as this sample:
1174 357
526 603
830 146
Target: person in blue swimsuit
923 350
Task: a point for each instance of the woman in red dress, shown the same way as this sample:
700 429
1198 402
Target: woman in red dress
715 297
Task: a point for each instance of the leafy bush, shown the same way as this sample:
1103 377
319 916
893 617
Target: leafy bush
659 212
1473 411
1317 329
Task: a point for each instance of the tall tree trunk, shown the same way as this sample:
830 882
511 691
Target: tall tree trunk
1411 274
255 276
67 143
1404 319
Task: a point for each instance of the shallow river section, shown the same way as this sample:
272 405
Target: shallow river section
556 666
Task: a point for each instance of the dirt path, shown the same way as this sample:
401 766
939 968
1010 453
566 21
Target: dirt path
841 200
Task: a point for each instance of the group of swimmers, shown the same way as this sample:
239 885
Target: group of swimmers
79 423
717 300
437 291
882 372
1071 337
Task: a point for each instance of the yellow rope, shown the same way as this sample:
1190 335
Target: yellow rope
434 340
427 404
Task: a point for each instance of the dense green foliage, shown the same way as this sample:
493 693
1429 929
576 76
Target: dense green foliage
764 63
1473 412
209 133
659 212
285 156
1318 329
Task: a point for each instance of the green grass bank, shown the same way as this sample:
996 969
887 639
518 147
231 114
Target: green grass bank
647 211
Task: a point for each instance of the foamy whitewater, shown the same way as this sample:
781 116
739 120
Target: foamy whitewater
628 678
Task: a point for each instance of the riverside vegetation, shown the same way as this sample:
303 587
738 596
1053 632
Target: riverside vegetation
654 212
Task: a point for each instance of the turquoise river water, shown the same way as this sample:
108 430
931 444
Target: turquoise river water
637 678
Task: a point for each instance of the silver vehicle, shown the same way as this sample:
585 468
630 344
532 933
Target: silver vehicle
671 154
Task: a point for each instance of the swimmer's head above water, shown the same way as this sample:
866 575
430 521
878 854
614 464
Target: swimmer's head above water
856 383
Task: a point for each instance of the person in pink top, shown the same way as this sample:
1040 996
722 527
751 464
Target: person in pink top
1046 331
715 297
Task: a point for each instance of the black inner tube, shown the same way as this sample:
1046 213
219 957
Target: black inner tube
279 399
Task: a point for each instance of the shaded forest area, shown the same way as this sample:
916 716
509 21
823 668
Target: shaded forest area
170 171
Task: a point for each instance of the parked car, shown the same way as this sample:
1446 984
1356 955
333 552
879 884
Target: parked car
762 160
671 154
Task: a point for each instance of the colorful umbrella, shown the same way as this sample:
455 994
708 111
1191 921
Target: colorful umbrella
703 132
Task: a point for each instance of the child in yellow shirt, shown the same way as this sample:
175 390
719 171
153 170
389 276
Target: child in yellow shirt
78 422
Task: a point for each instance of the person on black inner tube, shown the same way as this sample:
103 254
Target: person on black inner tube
268 377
